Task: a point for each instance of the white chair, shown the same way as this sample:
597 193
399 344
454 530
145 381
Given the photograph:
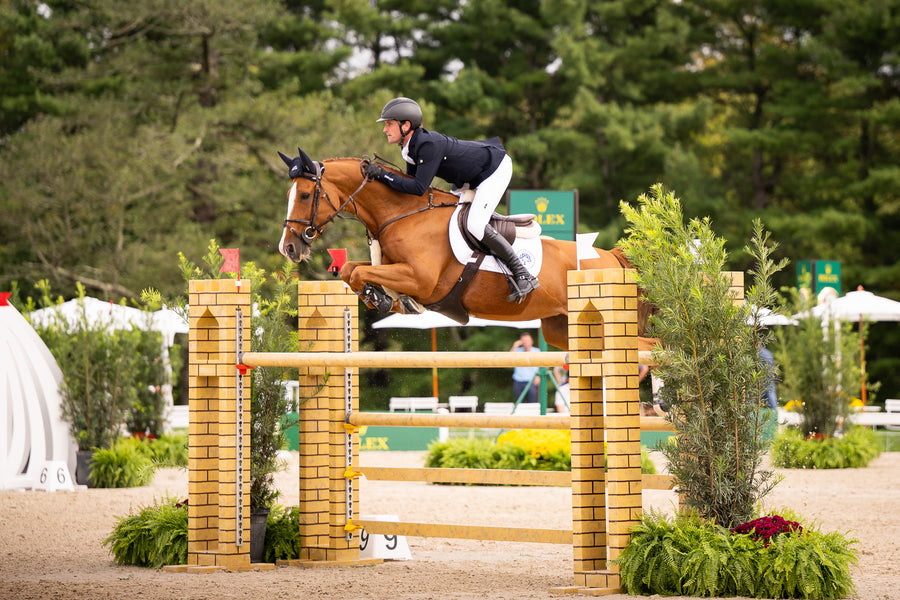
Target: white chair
528 408
469 403
498 408
892 405
413 403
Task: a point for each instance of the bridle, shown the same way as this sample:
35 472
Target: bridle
312 230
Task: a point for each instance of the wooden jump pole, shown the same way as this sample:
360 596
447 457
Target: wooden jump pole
400 360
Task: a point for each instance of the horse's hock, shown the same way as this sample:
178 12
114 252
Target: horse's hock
603 359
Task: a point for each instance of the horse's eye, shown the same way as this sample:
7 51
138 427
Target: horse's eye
304 196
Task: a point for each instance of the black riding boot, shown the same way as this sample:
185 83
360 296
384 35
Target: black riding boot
524 281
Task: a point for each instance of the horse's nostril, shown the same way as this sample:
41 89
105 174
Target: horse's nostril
290 249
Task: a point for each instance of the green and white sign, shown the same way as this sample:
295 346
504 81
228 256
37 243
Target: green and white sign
816 275
556 211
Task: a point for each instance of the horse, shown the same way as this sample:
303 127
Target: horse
417 259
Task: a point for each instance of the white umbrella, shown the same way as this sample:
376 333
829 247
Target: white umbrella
860 305
857 306
432 320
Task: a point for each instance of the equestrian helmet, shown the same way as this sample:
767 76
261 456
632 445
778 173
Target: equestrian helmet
402 109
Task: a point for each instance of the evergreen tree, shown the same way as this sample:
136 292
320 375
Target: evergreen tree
714 379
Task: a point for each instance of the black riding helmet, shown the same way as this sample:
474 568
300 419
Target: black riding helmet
400 110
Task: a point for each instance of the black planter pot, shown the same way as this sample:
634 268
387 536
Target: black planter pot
83 467
259 519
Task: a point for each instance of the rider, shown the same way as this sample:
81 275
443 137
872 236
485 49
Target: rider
483 165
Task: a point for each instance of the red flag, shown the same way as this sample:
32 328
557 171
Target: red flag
4 298
232 262
338 259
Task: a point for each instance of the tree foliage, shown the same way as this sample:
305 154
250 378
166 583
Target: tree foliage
133 131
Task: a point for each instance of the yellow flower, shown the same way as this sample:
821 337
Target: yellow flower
538 442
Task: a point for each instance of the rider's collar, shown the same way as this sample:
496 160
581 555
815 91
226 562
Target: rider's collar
404 152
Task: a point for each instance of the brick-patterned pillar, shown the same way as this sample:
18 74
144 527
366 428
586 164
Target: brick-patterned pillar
603 358
219 457
321 314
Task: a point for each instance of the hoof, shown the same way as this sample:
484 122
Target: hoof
376 297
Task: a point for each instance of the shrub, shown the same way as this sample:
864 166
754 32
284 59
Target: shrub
857 448
691 557
282 534
155 536
819 362
169 450
126 464
515 449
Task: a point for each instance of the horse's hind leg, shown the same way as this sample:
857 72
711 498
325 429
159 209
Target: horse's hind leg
556 331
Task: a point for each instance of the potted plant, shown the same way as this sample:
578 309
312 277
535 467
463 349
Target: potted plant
272 331
708 357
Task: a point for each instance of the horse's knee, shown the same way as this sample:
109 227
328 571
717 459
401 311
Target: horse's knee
351 275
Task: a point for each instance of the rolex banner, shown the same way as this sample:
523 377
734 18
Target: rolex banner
556 211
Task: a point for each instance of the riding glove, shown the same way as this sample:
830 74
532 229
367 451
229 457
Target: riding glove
374 172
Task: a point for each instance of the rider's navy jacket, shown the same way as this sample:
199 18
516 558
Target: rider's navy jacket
456 161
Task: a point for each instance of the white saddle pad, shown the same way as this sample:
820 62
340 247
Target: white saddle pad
530 251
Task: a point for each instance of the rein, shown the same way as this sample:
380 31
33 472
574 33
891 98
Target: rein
313 230
431 205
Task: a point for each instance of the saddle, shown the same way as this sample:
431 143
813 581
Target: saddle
451 304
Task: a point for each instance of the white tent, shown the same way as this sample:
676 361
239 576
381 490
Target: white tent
767 317
32 431
99 313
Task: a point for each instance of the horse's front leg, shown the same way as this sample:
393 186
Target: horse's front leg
398 277
373 298
347 272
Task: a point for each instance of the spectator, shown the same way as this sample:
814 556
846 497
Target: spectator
524 376
770 394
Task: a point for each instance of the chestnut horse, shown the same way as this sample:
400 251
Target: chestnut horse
417 259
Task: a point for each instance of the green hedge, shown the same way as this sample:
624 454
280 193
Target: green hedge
857 448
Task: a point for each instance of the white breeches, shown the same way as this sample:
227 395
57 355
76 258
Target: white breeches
488 196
